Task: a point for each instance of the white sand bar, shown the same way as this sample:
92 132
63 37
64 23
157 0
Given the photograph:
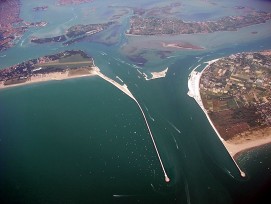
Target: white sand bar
157 75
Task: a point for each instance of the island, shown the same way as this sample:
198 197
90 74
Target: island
74 33
235 94
64 65
154 75
40 8
157 75
67 2
181 46
155 25
170 9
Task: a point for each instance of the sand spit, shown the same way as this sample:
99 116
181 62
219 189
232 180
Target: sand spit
155 75
186 46
194 92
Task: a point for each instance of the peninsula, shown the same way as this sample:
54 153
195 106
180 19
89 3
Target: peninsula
64 65
235 94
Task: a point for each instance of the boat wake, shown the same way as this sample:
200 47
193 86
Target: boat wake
139 71
27 37
119 79
170 57
174 127
177 146
72 19
187 192
123 62
229 173
149 113
153 187
200 58
103 53
183 150
123 196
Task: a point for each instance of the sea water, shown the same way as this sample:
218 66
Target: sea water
84 141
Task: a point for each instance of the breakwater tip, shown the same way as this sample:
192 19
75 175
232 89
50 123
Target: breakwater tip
167 180
243 174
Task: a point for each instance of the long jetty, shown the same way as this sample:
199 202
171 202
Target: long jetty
125 90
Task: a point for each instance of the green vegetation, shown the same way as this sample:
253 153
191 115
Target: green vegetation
236 92
61 62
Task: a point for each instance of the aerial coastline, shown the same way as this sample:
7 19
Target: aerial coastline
67 65
93 95
194 92
237 137
60 66
48 77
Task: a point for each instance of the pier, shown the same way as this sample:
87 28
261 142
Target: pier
125 90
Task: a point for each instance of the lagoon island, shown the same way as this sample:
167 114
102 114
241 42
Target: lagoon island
64 65
74 34
157 25
68 2
235 94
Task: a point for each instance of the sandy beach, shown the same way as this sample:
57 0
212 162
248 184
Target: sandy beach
95 71
156 75
252 139
47 77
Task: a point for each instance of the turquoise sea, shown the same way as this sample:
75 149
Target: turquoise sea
84 141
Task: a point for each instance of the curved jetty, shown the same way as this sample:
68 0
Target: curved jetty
64 65
125 90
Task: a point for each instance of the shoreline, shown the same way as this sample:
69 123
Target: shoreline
183 46
194 92
56 76
156 75
233 148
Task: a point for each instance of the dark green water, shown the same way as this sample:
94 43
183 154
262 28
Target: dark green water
73 142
